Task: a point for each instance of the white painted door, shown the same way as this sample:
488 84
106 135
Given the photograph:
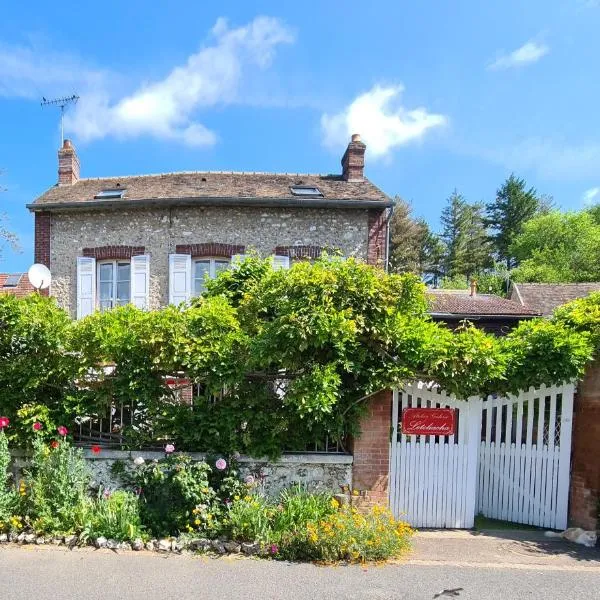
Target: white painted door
433 479
524 469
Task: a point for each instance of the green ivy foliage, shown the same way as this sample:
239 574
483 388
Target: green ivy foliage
281 357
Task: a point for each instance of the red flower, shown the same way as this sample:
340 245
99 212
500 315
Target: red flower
96 449
4 422
54 444
62 430
37 426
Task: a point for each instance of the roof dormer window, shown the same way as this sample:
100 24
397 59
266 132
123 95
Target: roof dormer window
306 190
112 193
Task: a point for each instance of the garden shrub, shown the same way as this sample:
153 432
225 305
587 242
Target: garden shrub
55 488
350 535
303 526
8 494
113 515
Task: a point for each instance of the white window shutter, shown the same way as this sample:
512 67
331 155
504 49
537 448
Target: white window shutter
280 262
86 286
180 278
236 259
140 281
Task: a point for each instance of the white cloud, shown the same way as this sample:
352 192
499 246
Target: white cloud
589 196
380 119
164 109
528 53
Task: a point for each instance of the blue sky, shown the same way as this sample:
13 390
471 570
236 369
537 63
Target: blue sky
445 94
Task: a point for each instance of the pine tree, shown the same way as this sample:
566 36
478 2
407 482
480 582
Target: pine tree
513 206
478 245
455 231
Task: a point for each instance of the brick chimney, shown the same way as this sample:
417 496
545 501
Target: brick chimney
353 161
473 287
68 164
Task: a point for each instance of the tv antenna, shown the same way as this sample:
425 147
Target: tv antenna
62 103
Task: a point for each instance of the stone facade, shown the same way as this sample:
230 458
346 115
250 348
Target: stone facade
161 230
584 509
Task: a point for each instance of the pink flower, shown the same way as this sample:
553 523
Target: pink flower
62 430
54 444
274 548
249 480
4 422
221 464
37 426
169 449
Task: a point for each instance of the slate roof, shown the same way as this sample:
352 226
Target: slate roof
23 287
545 297
209 185
460 304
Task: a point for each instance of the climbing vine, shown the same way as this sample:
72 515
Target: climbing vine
280 357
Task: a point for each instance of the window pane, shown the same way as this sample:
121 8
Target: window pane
123 272
106 288
122 292
201 270
106 272
221 265
105 305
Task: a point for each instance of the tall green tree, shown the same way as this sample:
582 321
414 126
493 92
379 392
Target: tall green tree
558 248
406 234
478 246
514 205
414 248
455 233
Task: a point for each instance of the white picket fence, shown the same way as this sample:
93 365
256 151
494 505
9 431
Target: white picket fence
524 457
432 478
509 459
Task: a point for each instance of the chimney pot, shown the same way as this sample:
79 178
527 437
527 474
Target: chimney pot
353 161
68 164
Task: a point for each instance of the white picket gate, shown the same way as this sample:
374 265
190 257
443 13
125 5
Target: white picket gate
524 458
509 459
433 478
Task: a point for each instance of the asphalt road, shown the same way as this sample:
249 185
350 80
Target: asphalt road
55 574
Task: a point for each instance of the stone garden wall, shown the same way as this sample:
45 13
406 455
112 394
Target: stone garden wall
327 472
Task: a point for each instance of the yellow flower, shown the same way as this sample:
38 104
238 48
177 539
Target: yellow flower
236 497
334 503
197 522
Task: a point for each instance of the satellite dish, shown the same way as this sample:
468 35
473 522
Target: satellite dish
39 276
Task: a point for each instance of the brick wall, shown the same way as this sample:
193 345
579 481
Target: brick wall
370 473
585 462
114 252
216 249
42 233
376 246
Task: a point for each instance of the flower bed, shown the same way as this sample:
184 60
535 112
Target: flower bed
177 504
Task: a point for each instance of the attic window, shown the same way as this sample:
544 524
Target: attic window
13 280
306 190
113 193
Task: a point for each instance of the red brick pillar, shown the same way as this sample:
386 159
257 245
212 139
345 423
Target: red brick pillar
585 463
370 472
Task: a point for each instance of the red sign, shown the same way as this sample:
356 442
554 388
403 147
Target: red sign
428 421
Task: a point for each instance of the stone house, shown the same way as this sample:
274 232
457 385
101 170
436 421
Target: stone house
153 239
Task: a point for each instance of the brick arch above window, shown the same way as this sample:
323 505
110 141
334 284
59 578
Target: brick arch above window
303 252
114 252
210 249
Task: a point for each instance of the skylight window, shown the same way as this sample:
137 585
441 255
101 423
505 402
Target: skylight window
104 194
306 190
13 280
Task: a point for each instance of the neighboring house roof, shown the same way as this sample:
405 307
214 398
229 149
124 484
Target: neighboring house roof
459 304
210 187
545 297
16 284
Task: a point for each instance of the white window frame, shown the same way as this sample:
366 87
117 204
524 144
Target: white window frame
114 263
212 271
